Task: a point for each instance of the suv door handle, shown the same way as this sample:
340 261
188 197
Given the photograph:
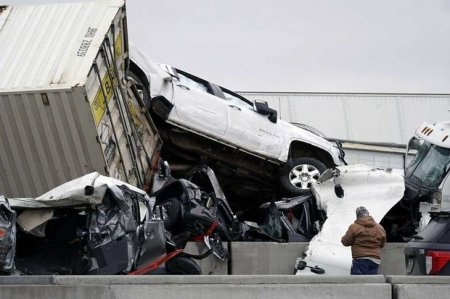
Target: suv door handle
234 107
183 86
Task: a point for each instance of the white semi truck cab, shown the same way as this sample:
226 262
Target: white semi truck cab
427 175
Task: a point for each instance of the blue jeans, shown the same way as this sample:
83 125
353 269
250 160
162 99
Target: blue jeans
364 267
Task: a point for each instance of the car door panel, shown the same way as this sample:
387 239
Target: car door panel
251 130
198 110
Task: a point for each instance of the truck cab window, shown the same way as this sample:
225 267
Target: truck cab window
193 83
237 100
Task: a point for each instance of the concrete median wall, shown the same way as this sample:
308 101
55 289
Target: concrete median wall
393 259
198 287
269 259
419 287
224 286
254 258
209 265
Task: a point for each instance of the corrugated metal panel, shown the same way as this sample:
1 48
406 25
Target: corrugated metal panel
51 135
44 145
386 118
44 46
374 159
126 127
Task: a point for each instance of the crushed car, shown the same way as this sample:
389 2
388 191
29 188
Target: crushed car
339 192
252 150
404 203
90 225
195 208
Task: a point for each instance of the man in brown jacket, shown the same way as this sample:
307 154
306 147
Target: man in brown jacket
366 238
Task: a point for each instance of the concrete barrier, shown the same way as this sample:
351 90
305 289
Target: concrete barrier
209 265
393 259
248 259
254 258
225 286
198 287
419 287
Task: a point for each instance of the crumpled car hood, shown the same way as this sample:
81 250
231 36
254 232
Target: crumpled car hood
376 189
74 193
83 191
90 225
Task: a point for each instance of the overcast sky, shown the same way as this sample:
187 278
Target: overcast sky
298 45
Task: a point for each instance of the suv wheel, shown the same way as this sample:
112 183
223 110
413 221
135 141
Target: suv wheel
298 175
181 265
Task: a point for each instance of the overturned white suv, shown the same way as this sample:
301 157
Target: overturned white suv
201 122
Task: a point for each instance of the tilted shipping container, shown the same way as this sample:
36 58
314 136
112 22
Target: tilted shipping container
66 105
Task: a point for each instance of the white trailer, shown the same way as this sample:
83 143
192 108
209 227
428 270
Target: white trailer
67 107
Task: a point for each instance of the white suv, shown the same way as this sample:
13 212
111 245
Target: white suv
206 123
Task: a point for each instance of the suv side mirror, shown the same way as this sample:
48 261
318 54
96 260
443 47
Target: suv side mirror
263 108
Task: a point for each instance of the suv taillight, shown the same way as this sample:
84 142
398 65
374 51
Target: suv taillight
435 261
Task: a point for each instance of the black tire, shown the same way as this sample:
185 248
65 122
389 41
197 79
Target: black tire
182 265
314 169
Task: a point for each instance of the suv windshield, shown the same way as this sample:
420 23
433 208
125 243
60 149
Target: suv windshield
428 166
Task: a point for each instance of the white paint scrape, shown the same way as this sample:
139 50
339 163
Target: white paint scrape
376 189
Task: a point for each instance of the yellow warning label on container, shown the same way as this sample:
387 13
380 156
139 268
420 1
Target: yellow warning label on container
98 106
118 45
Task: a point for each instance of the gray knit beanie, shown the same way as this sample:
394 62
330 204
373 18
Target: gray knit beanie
361 212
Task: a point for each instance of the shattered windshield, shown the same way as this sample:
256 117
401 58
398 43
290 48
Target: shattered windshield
429 165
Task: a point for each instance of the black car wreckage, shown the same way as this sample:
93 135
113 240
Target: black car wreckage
97 225
101 227
195 206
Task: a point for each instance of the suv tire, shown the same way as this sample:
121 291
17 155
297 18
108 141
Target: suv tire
182 265
298 174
